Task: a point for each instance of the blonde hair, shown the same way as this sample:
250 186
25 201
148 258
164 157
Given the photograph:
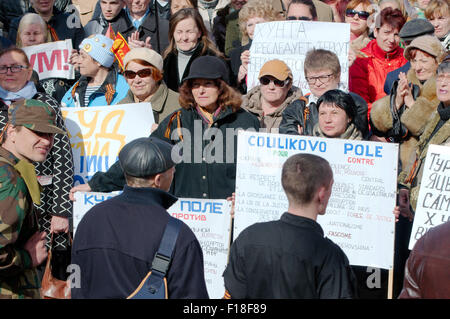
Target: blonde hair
29 19
436 6
256 8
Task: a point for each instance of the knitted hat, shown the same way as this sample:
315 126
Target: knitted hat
276 68
146 156
34 115
146 55
99 48
426 43
415 28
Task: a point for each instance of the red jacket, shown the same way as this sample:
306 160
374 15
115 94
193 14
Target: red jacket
367 75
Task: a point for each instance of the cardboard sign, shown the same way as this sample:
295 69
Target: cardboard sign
97 134
289 41
359 215
51 60
434 195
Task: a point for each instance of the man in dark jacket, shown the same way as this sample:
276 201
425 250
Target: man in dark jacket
427 268
112 12
61 25
150 29
290 257
114 261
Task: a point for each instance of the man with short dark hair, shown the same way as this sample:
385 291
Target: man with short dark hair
301 10
290 257
112 14
27 138
116 259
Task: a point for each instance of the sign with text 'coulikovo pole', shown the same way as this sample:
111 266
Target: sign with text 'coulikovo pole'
209 219
433 203
97 134
289 41
359 217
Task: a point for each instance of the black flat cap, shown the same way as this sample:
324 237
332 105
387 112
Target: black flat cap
146 156
415 28
208 67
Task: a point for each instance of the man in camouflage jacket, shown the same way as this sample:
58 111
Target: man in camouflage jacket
27 138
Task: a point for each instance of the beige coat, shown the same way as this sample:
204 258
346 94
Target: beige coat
414 118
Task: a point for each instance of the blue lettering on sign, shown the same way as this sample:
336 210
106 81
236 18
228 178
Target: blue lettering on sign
363 150
199 207
94 199
94 163
287 143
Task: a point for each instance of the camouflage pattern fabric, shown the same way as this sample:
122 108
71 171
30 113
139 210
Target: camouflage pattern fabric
18 222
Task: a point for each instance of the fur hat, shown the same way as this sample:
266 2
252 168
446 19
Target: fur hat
426 43
99 47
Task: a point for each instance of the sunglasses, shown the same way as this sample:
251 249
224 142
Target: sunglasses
266 80
303 18
364 15
144 73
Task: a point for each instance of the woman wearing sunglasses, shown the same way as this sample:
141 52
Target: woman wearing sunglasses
100 83
381 56
269 99
144 74
356 14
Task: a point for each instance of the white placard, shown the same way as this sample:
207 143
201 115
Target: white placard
359 217
97 134
208 219
434 195
289 41
51 60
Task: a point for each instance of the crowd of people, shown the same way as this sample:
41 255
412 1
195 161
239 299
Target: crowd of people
190 60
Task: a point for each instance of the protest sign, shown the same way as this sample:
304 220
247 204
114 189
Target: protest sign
97 134
289 41
208 219
359 217
51 60
434 195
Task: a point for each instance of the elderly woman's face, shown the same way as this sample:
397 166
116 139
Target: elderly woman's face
321 81
333 121
424 66
251 24
141 85
441 24
32 34
186 34
387 37
88 66
177 5
205 93
357 24
443 88
272 93
14 81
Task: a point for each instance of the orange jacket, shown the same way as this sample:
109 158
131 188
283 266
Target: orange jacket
367 74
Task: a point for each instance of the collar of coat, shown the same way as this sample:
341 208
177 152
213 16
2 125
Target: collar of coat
157 100
373 50
438 138
109 82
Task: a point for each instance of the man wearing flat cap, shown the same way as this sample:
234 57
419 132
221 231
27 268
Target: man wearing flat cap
114 261
27 138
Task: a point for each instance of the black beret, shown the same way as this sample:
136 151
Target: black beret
415 28
208 67
146 156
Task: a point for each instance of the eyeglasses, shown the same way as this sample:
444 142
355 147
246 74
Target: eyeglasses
14 69
364 15
266 80
322 79
303 18
144 73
